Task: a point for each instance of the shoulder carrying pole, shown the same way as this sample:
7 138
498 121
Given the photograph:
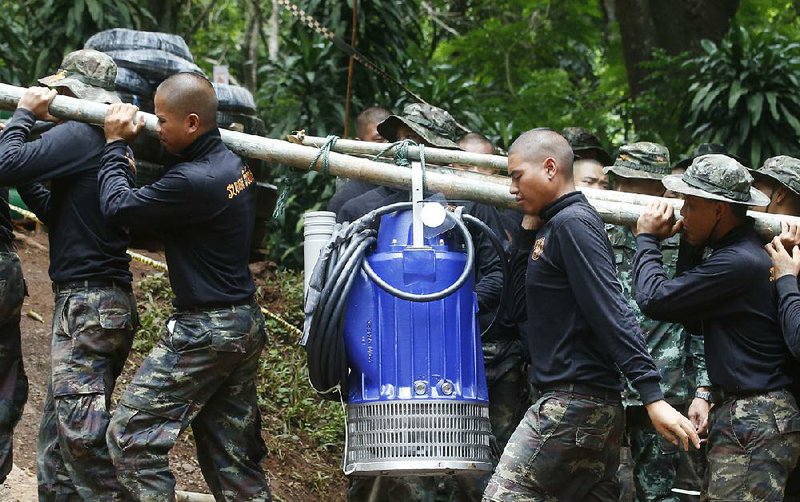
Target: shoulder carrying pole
614 207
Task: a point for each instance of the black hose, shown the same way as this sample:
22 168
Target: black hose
498 247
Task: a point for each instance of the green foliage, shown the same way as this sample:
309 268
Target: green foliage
745 94
284 390
155 307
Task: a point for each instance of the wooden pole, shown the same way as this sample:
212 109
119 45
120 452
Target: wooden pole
614 207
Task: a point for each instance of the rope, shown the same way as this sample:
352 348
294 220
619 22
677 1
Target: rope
159 265
324 152
292 177
339 43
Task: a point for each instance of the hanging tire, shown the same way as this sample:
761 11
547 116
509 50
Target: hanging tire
130 82
153 64
247 124
145 103
234 99
123 39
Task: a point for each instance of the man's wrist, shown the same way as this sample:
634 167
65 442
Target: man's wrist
704 394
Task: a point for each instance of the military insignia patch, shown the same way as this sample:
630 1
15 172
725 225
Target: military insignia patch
538 248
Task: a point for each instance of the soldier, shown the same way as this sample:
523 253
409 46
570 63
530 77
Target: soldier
730 296
475 142
639 168
95 317
582 331
13 381
366 130
202 371
590 158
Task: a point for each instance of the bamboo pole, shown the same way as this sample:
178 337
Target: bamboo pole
440 156
614 207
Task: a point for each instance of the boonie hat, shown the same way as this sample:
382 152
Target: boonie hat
717 177
88 73
586 145
641 160
783 169
436 126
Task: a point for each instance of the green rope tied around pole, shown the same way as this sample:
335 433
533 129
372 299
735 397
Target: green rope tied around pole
292 179
400 153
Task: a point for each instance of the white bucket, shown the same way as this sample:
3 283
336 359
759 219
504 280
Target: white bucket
317 229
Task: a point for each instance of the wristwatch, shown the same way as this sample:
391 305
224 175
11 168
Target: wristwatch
704 395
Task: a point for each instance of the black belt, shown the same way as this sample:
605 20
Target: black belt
90 283
720 395
218 306
583 388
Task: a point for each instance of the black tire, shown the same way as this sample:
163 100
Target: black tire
235 99
153 64
145 103
130 82
247 124
123 39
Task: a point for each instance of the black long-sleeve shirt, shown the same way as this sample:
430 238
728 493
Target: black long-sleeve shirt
580 328
489 277
205 206
731 296
83 245
789 312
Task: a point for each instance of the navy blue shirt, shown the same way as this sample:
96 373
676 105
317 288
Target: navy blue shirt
730 296
579 325
789 311
204 206
83 245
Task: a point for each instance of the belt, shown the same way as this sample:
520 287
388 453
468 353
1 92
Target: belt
90 283
720 395
217 306
584 389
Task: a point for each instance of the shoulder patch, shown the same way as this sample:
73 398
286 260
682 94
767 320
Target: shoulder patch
538 249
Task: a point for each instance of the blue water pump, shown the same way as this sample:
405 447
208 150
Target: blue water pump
391 328
417 398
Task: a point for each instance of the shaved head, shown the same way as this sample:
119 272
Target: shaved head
476 142
187 93
538 144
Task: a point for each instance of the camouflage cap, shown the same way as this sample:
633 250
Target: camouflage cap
89 74
586 145
783 169
642 160
705 149
717 177
434 125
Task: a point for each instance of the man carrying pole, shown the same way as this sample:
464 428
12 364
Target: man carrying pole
202 371
567 445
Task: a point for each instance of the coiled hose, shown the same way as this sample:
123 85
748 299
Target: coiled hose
328 367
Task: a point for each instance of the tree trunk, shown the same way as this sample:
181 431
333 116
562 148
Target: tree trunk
274 46
672 25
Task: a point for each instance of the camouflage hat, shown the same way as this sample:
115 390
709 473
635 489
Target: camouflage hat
434 125
586 145
89 74
642 160
717 177
784 169
705 149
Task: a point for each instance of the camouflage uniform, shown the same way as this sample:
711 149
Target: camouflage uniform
200 373
93 332
13 381
655 460
565 448
754 446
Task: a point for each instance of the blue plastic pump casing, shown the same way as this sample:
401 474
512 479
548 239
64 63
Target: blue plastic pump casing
417 400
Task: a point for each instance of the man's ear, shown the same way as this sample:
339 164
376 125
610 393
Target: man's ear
550 167
192 122
778 195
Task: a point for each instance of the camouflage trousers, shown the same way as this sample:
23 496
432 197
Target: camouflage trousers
754 444
13 381
92 334
655 460
566 448
200 373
